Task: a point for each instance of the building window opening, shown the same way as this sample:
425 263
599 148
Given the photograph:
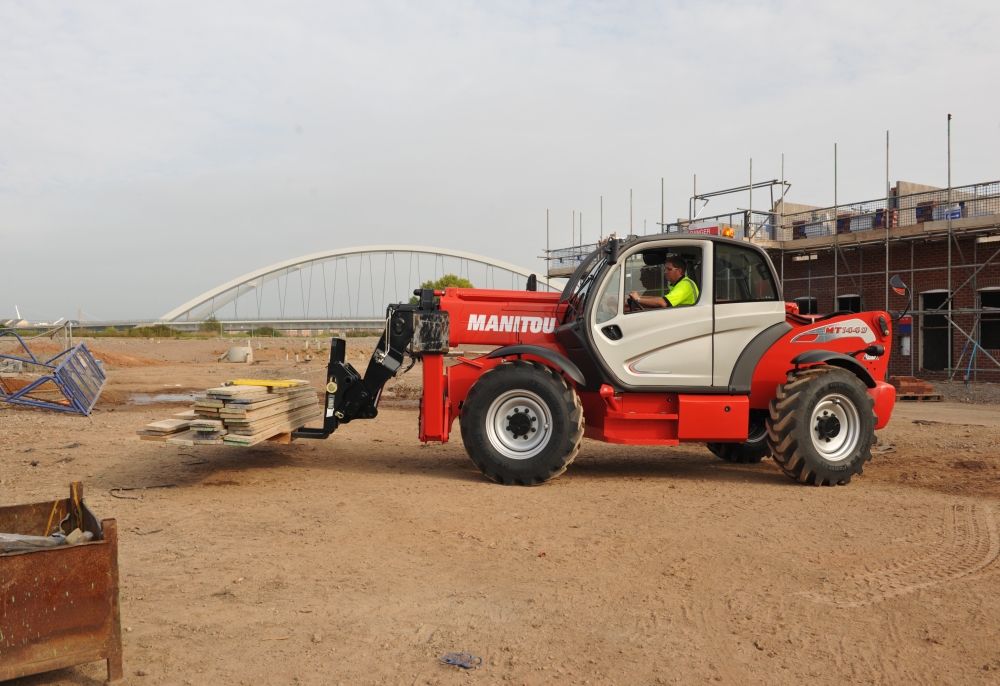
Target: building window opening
807 305
849 303
935 349
989 323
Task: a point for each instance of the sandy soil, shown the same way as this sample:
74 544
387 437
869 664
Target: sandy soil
363 558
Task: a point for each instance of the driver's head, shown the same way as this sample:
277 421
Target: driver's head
674 269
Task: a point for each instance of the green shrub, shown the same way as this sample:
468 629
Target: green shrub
211 325
446 281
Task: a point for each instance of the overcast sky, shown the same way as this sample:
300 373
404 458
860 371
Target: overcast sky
151 151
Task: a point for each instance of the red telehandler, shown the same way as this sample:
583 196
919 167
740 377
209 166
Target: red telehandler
740 369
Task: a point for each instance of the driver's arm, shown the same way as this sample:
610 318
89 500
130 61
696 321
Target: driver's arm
649 301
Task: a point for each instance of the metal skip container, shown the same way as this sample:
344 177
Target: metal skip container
59 605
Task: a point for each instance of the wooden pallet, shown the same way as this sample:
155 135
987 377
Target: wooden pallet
920 397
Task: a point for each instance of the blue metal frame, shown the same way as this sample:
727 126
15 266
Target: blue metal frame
74 372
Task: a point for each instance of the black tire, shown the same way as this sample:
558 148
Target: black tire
503 414
754 450
821 426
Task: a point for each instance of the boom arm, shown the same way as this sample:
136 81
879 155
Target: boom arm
409 328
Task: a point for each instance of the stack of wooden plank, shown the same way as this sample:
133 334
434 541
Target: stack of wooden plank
912 388
163 429
244 415
207 431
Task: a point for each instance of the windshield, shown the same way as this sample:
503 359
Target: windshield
572 286
576 300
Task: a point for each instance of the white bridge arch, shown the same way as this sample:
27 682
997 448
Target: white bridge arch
344 284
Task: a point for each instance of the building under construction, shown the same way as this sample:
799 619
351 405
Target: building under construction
944 243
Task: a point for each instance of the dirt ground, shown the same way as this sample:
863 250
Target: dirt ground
363 558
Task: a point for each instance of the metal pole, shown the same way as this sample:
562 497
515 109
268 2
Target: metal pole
913 337
694 199
573 231
836 233
979 305
602 217
950 239
546 238
663 226
885 220
750 210
630 231
581 228
782 206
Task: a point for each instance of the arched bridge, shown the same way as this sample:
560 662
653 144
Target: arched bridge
347 287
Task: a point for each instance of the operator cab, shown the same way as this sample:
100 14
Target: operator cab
633 341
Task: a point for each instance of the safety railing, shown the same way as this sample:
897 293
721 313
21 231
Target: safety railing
740 225
977 200
568 259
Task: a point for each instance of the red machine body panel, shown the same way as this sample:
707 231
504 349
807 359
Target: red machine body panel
500 318
481 317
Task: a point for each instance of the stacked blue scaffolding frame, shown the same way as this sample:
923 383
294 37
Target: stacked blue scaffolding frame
73 372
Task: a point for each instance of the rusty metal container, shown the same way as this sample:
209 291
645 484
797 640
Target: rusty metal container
59 606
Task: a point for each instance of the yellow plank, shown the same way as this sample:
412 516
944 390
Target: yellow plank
273 383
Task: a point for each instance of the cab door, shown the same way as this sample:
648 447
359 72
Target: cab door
746 303
669 346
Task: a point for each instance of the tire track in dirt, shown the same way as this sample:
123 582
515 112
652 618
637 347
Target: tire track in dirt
971 545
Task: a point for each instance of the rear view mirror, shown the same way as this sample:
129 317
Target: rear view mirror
613 251
898 285
902 289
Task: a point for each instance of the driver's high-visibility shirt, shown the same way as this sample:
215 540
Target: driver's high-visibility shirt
684 292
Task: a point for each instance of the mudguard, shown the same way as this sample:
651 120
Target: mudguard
837 360
557 360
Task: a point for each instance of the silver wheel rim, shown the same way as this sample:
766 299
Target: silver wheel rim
835 428
519 424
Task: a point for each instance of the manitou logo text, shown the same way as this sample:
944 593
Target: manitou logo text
479 322
852 328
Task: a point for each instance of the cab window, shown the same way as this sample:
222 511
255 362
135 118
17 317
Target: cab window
645 272
742 275
607 308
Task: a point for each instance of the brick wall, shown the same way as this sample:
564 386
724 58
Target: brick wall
867 266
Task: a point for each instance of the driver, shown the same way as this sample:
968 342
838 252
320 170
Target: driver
683 291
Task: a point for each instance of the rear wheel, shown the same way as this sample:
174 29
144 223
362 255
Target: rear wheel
522 423
822 426
754 450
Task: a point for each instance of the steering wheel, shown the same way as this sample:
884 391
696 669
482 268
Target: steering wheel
634 305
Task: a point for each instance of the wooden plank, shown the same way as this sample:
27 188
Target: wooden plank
186 415
920 397
162 438
270 383
264 413
282 438
168 425
292 425
236 391
186 438
250 399
206 423
236 408
257 427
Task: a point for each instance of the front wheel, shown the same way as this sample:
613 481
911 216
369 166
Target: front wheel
522 423
821 426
